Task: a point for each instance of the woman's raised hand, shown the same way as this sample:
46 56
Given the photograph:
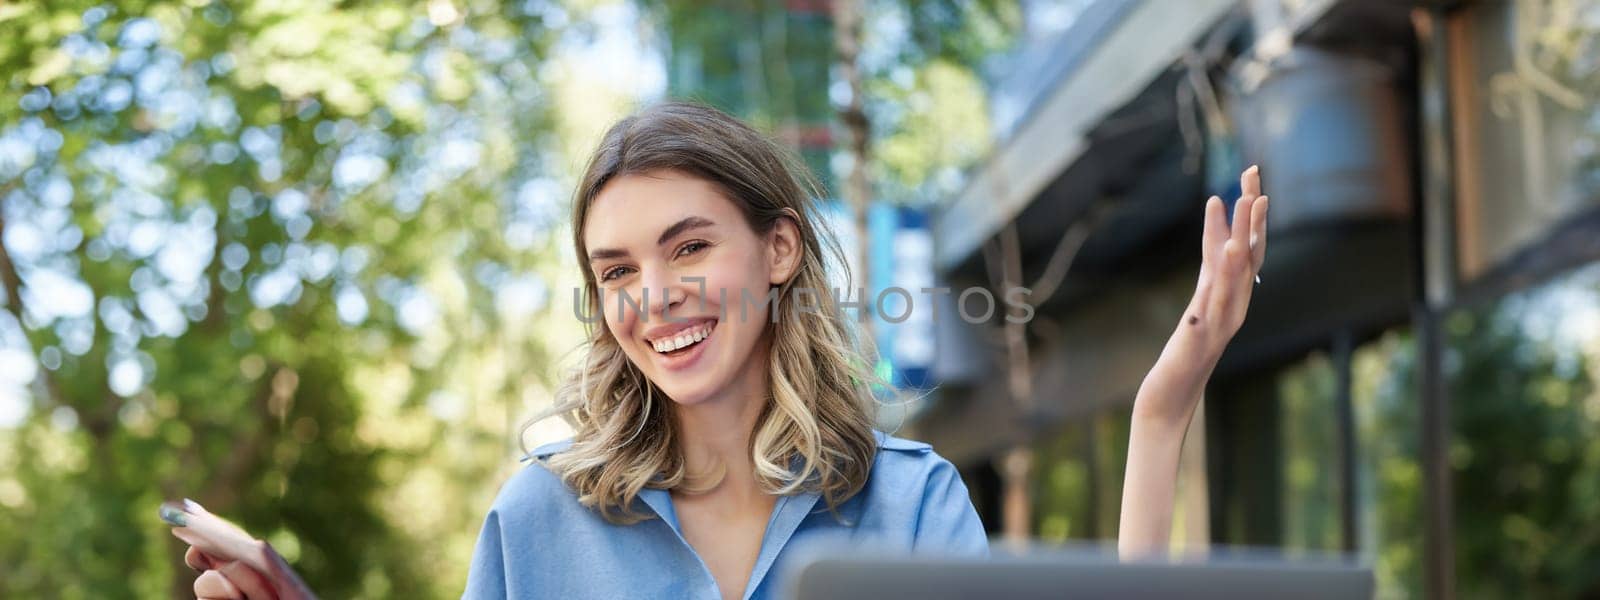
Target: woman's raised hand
1231 257
1230 260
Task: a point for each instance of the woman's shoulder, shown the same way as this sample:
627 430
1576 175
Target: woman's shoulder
914 490
534 489
889 442
546 450
902 461
916 494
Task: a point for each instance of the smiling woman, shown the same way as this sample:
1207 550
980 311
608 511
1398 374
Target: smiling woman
741 413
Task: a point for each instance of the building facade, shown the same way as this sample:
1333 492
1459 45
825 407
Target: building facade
1415 382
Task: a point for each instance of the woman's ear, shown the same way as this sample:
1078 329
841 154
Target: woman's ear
784 247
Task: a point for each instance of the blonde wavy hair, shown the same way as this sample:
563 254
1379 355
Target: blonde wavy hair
815 431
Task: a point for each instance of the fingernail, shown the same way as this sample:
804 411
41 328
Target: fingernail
174 516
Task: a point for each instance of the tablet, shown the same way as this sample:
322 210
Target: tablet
1076 575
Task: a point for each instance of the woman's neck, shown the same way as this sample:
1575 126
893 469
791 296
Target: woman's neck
714 434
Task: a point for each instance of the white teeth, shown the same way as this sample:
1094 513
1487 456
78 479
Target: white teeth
682 340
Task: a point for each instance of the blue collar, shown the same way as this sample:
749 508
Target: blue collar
787 514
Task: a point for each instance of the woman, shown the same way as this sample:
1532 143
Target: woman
724 412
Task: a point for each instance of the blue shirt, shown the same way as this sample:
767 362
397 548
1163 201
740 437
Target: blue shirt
539 542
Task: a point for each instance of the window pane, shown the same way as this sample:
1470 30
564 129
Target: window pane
1528 122
1388 474
1310 442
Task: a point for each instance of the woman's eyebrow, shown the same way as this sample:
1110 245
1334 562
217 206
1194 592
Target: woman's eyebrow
677 229
605 253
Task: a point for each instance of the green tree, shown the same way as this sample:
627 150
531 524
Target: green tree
1525 451
249 250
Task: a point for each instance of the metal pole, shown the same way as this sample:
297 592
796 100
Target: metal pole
1434 255
1343 349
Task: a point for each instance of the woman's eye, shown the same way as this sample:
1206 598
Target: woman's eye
613 273
691 248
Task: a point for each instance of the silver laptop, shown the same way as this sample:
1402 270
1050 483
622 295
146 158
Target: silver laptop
1077 575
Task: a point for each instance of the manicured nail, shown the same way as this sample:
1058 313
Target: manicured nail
174 516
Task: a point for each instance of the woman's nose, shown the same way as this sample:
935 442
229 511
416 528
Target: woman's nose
664 292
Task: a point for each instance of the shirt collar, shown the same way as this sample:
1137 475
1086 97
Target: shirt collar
787 515
660 501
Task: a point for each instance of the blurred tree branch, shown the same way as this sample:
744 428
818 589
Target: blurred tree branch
11 281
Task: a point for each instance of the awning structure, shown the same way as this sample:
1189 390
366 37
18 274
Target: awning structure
1107 139
1138 41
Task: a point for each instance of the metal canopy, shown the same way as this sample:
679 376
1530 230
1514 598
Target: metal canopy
1136 50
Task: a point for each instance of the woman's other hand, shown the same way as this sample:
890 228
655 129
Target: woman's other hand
226 580
233 564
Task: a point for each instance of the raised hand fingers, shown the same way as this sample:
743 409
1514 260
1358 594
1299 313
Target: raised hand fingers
1231 255
1250 186
1216 231
1258 233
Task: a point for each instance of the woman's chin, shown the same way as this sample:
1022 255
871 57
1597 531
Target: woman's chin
686 395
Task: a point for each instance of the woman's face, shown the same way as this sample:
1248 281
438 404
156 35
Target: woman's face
666 231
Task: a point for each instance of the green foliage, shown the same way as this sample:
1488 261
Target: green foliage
927 100
1526 446
1077 479
249 246
763 60
768 61
1524 453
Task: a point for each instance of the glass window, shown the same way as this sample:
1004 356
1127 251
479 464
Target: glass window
1383 393
1309 437
1526 91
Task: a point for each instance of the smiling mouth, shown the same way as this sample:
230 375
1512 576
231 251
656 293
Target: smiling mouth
684 340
